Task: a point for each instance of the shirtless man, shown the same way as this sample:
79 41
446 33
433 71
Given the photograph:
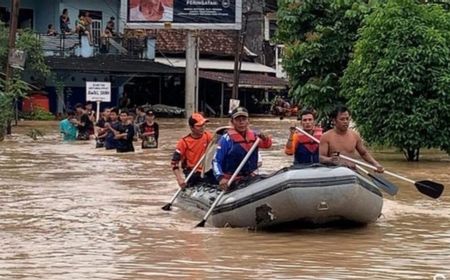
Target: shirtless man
341 140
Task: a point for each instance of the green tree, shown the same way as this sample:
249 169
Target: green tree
318 36
16 87
399 79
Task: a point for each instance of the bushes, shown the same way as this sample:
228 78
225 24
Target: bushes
38 114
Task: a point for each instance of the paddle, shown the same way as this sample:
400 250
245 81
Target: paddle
219 131
378 180
236 172
427 187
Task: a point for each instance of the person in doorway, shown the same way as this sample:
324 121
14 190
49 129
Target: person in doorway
342 140
81 27
149 131
67 127
305 150
189 150
233 147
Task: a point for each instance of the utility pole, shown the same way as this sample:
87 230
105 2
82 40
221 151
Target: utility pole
240 43
192 61
237 58
15 6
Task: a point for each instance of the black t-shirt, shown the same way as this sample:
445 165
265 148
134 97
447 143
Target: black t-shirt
86 124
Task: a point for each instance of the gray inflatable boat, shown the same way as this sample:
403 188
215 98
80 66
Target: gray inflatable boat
295 196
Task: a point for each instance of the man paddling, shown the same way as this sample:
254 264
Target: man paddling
190 149
341 140
233 147
305 150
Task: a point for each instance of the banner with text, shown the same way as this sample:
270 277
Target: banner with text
184 14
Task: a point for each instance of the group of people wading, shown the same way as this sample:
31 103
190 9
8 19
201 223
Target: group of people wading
114 129
237 141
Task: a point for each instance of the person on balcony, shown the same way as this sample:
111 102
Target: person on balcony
64 22
51 31
81 27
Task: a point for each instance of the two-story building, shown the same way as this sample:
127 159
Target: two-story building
147 64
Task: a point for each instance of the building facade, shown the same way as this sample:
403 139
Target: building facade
147 64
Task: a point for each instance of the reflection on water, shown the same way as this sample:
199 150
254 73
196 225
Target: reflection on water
69 211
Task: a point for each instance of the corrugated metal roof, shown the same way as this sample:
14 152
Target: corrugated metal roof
246 80
213 64
112 64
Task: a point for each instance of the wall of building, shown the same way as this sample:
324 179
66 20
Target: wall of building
48 11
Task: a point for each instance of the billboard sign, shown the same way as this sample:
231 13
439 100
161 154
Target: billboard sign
183 14
98 91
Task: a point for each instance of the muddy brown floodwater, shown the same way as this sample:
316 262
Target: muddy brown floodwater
70 211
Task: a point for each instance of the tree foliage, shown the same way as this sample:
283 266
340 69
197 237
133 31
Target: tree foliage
16 87
318 36
398 82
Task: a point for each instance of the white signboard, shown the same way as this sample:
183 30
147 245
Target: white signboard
98 91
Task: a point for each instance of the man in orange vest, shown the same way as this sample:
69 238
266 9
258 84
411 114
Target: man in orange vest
305 150
190 149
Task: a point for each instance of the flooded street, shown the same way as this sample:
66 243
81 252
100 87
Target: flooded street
70 211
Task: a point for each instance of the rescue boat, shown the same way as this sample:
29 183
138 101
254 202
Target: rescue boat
295 195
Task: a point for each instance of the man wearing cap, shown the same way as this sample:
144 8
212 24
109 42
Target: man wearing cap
233 147
190 149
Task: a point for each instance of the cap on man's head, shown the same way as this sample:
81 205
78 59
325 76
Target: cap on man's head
150 113
239 111
197 119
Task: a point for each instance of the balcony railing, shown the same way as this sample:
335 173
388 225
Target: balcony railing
71 45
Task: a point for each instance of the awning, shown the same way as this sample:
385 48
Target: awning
110 64
246 80
212 64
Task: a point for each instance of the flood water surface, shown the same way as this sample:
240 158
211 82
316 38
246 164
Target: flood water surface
70 211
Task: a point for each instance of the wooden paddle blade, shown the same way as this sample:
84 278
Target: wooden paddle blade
166 207
430 188
384 184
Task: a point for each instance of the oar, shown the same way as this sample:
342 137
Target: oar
427 187
379 181
168 206
236 172
217 132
